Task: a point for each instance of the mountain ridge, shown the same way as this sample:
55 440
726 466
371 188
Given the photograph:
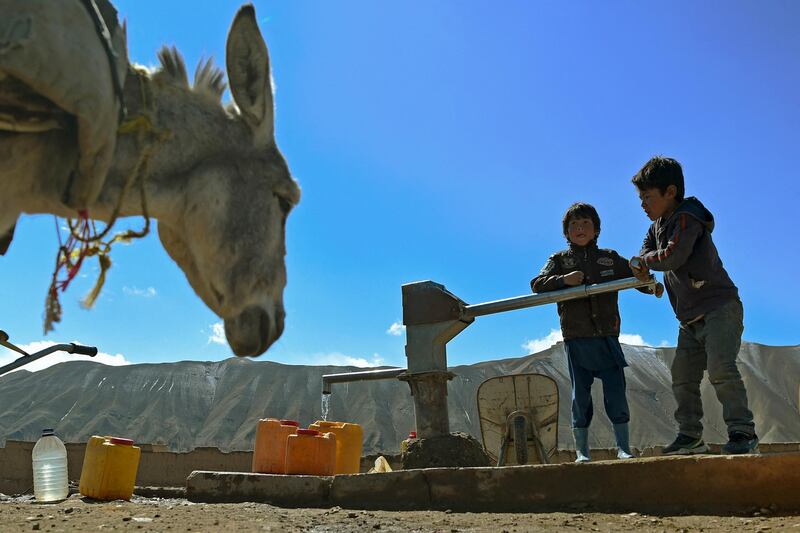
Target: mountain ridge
189 404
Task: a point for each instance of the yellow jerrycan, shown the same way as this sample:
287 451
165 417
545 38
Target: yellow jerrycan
109 468
349 441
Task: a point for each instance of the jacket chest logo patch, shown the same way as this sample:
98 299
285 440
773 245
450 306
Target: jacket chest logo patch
605 261
568 262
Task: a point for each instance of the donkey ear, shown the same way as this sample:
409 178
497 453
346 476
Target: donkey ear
247 60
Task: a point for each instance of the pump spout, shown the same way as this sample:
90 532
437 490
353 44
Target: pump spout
367 375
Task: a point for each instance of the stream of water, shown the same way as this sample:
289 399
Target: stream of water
326 406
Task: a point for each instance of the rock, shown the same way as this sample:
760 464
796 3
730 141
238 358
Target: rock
454 450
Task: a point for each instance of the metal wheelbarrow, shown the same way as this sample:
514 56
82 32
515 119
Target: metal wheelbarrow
519 412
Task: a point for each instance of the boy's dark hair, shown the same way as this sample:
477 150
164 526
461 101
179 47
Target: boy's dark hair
659 173
580 210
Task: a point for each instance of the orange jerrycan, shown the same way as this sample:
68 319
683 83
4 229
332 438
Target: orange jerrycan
309 452
269 452
109 468
349 440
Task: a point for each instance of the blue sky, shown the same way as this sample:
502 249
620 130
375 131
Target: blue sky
444 140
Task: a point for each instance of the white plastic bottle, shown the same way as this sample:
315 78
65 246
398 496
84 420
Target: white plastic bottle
50 481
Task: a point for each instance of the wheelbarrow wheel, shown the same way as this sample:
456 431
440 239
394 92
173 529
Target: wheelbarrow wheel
520 430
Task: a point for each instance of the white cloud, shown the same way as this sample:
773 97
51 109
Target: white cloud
396 329
7 356
217 334
538 345
633 339
149 292
637 340
340 359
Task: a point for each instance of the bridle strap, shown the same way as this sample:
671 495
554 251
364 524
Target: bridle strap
105 39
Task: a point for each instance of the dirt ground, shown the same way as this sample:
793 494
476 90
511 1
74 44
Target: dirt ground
157 514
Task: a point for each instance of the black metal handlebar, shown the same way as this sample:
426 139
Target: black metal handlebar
26 358
91 351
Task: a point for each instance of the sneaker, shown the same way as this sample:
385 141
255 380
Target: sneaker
740 442
622 454
685 445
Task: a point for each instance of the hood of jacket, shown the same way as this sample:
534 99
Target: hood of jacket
695 208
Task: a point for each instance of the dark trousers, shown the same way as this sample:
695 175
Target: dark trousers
712 343
614 400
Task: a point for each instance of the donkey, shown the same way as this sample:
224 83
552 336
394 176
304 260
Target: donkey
215 180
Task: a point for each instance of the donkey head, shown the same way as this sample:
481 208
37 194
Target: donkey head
228 233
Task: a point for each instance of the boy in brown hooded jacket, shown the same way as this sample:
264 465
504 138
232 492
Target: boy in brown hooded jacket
706 303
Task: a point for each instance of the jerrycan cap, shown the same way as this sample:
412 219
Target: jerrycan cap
48 432
312 432
290 423
121 441
412 435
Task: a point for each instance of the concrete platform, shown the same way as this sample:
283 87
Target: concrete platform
703 484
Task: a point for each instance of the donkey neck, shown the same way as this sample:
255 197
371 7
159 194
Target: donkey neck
184 131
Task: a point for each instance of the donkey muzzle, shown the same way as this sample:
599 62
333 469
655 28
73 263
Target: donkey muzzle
254 330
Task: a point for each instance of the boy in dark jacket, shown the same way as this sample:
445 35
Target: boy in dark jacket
590 326
706 303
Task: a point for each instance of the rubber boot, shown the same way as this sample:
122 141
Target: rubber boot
581 436
623 446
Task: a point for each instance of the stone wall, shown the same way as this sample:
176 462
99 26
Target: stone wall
158 467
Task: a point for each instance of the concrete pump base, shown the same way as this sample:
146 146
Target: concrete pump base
701 484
